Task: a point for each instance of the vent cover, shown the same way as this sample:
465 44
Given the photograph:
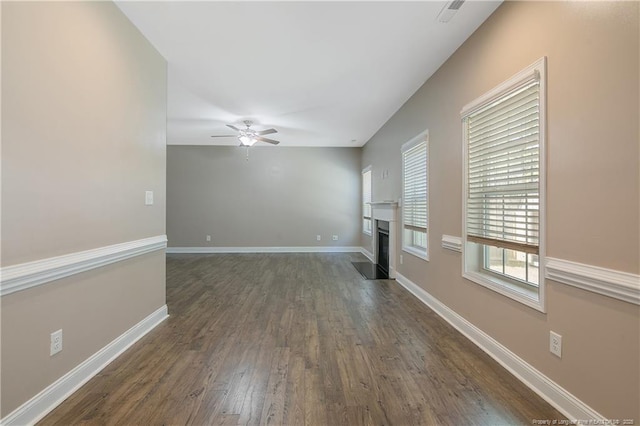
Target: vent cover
455 5
449 10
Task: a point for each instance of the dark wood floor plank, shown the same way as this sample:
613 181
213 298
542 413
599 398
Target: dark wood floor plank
297 339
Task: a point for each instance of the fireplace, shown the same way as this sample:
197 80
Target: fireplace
383 245
382 263
384 214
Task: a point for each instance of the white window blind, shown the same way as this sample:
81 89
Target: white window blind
414 196
366 199
503 187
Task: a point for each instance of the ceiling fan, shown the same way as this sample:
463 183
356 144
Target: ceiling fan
249 136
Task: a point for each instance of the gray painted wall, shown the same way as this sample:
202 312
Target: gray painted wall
281 197
592 186
83 137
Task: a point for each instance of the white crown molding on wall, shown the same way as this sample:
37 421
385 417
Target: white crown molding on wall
44 402
452 243
554 394
26 275
619 285
213 250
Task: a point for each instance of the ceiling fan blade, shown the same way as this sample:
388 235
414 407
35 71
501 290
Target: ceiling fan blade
266 132
271 141
225 136
233 127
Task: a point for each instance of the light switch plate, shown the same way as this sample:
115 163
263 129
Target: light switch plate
148 198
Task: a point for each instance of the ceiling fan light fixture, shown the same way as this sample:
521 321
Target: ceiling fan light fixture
247 140
248 137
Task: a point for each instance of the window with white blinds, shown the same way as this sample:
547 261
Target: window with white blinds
503 193
415 196
504 183
366 200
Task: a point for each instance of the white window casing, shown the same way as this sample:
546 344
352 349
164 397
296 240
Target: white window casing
415 196
504 184
366 201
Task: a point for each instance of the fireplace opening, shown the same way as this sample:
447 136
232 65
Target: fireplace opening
383 245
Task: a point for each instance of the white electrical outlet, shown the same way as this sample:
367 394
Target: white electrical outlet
555 344
318 237
335 238
56 342
148 198
208 237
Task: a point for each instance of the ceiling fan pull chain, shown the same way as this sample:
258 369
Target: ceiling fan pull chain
247 153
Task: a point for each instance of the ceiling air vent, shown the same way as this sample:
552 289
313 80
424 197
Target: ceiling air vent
449 10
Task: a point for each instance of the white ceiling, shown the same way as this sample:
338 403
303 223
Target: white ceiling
322 73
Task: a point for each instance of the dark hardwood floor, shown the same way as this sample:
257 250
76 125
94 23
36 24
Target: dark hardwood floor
298 339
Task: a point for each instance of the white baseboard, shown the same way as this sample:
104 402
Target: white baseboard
367 254
313 249
44 402
554 394
26 275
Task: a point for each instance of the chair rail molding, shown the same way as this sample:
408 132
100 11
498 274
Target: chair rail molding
450 242
23 276
608 282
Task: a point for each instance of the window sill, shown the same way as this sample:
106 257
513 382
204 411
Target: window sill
417 253
505 287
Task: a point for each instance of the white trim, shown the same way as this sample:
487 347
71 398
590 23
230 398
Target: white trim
554 394
532 72
420 138
384 210
537 70
44 402
450 242
503 285
367 254
384 204
367 170
26 275
417 139
211 250
419 253
619 285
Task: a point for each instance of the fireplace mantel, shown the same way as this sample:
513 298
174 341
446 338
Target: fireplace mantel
384 210
384 203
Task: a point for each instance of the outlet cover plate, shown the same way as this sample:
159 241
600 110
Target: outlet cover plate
555 344
56 342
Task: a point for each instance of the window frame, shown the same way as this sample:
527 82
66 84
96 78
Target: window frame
473 262
411 249
367 169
